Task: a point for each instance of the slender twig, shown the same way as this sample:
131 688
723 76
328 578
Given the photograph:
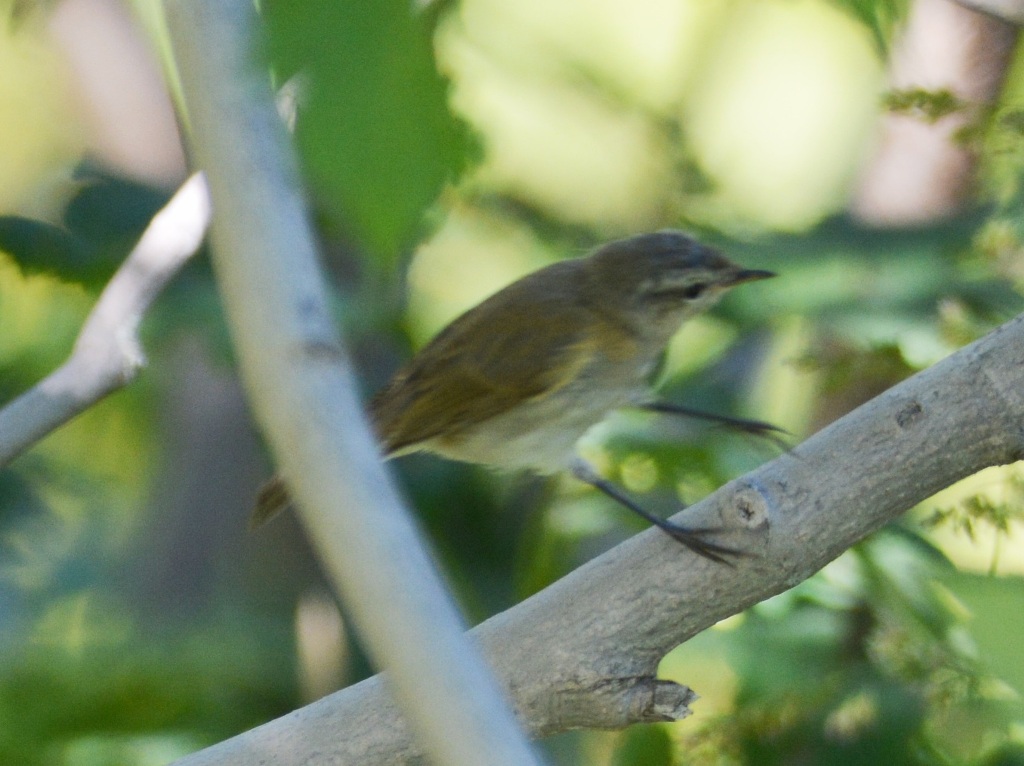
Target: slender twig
107 354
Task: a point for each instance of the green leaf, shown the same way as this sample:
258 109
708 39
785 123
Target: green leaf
880 18
374 129
40 247
996 621
102 223
644 746
112 212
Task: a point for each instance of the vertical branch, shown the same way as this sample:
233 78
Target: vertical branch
302 390
925 166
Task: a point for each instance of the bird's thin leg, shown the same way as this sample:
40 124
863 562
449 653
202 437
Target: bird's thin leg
757 428
694 539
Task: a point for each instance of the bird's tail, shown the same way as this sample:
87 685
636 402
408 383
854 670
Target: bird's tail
272 499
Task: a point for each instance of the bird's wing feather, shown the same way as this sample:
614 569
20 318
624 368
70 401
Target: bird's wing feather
470 373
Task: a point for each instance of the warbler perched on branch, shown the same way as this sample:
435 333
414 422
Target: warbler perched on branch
514 382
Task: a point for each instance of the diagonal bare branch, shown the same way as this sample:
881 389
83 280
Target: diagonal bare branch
583 653
107 354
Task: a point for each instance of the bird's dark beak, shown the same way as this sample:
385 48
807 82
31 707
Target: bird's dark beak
748 275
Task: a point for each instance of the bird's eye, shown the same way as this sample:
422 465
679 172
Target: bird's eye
694 291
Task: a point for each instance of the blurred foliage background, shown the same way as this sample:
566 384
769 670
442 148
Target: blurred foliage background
448 153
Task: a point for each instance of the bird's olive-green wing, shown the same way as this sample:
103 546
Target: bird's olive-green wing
481 365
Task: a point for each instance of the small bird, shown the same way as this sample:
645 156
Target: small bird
514 382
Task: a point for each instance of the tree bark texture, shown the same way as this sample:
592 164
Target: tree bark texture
583 653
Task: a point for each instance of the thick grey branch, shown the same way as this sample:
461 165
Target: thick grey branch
583 652
107 354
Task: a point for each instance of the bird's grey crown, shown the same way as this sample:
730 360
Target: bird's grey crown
663 259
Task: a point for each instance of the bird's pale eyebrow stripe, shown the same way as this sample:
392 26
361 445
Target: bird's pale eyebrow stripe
669 281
